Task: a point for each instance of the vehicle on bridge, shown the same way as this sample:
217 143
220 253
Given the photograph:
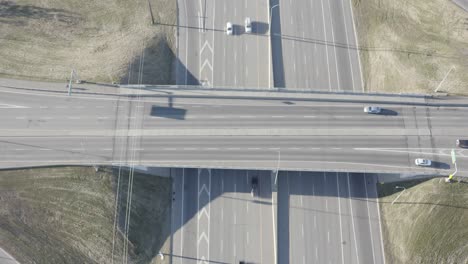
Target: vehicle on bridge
423 162
372 109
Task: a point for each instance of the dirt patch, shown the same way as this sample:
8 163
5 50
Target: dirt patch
427 224
409 46
66 215
101 40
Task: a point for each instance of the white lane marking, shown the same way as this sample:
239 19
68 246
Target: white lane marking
246 116
328 236
274 148
295 148
45 149
334 48
277 116
308 116
357 47
76 149
43 107
211 148
291 19
368 214
182 215
380 227
326 46
352 218
253 148
274 226
12 106
339 214
409 152
169 148
19 149
20 117
316 253
106 149
326 204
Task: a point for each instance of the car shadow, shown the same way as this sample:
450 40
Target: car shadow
388 112
440 165
260 28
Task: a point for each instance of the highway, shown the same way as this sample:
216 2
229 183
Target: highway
328 218
207 56
215 217
315 45
324 136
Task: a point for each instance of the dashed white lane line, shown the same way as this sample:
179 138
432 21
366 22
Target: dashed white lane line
43 107
19 149
20 117
328 236
352 219
316 253
246 116
277 116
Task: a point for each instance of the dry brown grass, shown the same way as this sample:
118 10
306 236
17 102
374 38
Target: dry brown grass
101 39
427 224
409 46
66 215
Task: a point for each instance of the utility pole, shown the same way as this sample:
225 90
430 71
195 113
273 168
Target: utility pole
277 167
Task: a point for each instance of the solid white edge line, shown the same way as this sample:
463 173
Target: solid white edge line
380 226
274 224
182 218
357 45
368 216
352 217
339 212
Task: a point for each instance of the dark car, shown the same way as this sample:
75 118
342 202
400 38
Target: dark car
254 184
462 143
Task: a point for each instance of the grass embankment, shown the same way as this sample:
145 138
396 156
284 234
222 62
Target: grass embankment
101 39
66 215
427 224
409 46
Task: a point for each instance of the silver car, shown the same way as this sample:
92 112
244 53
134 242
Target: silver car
372 109
423 162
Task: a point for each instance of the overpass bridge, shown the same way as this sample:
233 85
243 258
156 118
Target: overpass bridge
229 129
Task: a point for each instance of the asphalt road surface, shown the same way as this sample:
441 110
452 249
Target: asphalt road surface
43 129
328 218
208 56
216 219
314 46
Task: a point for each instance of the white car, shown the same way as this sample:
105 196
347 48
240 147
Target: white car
372 109
229 29
248 25
423 162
